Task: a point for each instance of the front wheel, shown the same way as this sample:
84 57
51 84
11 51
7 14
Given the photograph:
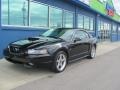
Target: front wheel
60 62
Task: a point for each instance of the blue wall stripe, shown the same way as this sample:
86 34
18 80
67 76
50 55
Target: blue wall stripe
0 14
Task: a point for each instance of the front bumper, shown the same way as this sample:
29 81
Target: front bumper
22 59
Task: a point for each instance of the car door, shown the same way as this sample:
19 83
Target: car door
77 46
85 41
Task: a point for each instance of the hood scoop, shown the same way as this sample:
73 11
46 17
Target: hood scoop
32 39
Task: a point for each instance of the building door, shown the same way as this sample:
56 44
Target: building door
104 31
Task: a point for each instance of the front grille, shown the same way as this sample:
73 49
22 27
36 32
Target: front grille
14 49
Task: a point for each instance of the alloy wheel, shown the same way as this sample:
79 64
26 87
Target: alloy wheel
93 52
61 62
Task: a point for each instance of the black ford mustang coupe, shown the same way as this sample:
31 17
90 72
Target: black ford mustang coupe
56 46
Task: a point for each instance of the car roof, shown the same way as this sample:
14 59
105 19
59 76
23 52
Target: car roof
72 29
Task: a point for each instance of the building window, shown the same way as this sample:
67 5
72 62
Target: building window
68 19
14 12
38 14
86 23
99 25
55 17
80 21
119 29
114 29
91 24
102 26
105 26
4 4
109 27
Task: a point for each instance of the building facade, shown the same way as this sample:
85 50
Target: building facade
25 18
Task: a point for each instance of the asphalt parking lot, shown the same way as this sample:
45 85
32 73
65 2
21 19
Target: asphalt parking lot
12 76
101 73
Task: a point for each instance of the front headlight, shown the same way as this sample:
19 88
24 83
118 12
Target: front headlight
8 46
34 51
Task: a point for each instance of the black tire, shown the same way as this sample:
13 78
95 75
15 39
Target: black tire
56 67
92 54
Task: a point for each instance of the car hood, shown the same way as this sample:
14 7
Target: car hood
33 42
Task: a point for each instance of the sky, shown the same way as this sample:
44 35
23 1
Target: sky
116 4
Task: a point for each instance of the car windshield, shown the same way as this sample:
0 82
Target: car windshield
64 34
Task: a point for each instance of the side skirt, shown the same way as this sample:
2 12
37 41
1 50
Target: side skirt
78 59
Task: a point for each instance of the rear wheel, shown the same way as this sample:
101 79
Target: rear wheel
92 52
60 62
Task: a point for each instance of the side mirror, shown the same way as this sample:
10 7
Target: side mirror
77 39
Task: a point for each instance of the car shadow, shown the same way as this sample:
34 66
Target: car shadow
43 68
